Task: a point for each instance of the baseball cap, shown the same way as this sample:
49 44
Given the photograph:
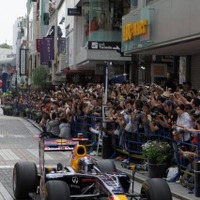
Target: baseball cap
168 103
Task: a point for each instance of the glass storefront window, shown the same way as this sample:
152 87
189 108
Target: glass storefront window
148 1
103 20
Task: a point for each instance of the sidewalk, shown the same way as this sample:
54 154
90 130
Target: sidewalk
177 189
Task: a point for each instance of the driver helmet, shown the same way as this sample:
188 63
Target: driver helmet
85 164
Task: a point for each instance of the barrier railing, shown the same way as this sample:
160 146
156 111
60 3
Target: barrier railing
130 142
127 142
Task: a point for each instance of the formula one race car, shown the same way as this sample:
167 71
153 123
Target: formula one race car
83 178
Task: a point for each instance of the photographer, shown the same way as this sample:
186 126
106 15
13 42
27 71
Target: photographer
154 121
134 124
146 119
184 121
169 118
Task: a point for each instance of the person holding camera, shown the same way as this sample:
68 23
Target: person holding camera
184 121
170 116
147 119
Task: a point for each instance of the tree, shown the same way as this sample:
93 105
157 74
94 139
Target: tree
39 76
5 46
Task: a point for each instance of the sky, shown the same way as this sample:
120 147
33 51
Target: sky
10 11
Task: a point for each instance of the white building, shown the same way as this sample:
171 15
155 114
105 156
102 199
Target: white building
85 48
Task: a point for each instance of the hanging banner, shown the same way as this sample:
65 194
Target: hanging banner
46 50
61 45
4 81
23 61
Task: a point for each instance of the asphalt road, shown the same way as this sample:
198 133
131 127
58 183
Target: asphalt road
18 143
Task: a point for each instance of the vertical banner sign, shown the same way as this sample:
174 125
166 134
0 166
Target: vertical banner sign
46 50
4 79
23 62
61 45
42 52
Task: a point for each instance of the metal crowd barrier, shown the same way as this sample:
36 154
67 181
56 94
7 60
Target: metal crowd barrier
130 142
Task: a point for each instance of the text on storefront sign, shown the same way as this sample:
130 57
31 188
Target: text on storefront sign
131 30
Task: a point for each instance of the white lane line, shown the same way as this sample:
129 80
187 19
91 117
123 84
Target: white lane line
6 166
11 136
18 136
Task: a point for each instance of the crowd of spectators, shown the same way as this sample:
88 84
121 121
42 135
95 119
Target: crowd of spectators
130 108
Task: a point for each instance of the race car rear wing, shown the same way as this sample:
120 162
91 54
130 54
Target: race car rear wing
56 144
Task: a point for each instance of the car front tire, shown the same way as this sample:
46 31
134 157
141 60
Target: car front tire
56 189
25 179
156 189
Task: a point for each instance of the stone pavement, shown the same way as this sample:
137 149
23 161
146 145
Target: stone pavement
16 143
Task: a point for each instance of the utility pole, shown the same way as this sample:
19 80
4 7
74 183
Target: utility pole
105 95
54 66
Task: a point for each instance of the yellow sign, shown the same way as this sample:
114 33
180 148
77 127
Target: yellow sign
131 30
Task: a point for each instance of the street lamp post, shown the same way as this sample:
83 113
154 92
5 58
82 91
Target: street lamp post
105 95
106 83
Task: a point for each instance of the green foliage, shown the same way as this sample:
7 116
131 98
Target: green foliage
7 94
5 46
39 76
157 151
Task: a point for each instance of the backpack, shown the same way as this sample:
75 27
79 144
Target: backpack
173 174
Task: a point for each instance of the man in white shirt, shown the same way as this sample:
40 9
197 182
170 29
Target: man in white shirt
184 121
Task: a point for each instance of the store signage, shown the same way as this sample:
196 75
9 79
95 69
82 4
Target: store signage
46 50
104 45
74 11
132 30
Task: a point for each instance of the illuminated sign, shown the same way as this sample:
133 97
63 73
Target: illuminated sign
131 30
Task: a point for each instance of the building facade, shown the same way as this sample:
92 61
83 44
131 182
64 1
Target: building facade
79 42
143 38
168 30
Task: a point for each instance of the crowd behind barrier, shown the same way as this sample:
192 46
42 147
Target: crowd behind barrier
133 115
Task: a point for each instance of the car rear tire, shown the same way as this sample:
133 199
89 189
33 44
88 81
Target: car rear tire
106 165
156 189
25 179
57 190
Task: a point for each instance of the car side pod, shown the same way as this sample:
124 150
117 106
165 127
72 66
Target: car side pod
78 152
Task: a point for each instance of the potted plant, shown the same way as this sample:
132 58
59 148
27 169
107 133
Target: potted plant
158 154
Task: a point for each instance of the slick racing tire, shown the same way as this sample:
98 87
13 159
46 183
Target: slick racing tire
25 179
57 190
106 165
156 189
